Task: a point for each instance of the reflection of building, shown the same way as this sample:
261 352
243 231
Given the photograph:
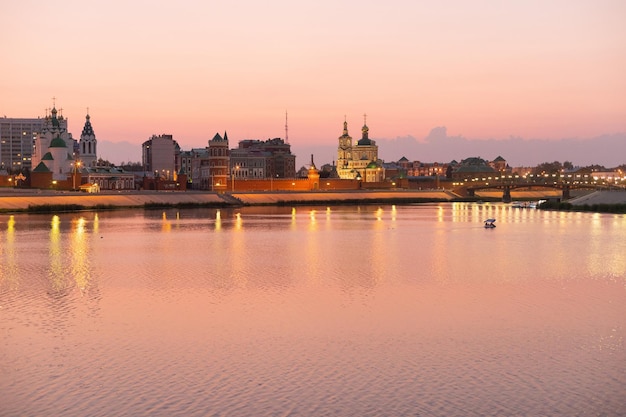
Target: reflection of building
16 142
256 159
159 156
358 161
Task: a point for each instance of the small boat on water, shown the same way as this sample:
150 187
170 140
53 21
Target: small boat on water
490 223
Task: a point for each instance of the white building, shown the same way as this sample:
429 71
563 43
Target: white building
54 147
87 144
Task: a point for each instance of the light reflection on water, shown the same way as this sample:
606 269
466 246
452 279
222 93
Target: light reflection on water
372 310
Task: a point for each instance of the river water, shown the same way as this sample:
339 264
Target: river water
413 310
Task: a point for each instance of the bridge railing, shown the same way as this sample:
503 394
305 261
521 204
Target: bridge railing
560 180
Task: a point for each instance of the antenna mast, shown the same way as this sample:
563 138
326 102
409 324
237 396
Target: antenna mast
286 129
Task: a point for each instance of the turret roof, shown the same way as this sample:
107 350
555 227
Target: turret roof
57 143
88 129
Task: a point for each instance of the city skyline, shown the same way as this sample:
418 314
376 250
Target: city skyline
481 73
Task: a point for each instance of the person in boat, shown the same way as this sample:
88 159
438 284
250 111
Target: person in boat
490 223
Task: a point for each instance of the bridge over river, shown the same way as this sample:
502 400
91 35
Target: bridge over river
564 188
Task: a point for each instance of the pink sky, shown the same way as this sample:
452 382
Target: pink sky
483 69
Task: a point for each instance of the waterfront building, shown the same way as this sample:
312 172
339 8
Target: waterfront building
500 165
159 156
108 178
17 137
191 164
313 175
329 171
473 168
54 149
424 169
360 160
87 144
215 172
256 159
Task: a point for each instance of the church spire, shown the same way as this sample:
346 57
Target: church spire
87 129
365 129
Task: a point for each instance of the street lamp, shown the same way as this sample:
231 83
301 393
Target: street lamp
233 178
76 166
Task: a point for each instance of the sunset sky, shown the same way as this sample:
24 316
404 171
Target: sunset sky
483 69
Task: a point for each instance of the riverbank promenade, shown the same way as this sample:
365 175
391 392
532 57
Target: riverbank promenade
24 199
19 200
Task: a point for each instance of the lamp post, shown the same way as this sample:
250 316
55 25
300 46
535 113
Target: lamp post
235 169
76 166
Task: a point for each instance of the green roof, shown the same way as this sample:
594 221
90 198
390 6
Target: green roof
47 157
58 143
41 168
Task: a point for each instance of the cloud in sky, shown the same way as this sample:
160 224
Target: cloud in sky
531 69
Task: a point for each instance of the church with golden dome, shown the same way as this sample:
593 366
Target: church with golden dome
358 161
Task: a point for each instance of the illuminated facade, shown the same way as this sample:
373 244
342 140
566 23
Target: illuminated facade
216 171
87 144
359 161
54 148
17 137
257 159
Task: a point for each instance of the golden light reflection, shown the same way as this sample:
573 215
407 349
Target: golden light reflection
379 214
57 277
379 261
166 225
96 223
394 213
80 256
218 220
293 217
313 221
600 256
238 222
440 214
8 268
235 260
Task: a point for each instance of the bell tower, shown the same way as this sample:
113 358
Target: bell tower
88 144
344 151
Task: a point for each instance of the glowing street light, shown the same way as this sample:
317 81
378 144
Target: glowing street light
235 170
76 167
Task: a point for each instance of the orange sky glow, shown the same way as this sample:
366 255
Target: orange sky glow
484 69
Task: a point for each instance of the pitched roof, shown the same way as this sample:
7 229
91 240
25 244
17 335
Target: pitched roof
41 168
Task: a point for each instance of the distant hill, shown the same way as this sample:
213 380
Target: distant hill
119 152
